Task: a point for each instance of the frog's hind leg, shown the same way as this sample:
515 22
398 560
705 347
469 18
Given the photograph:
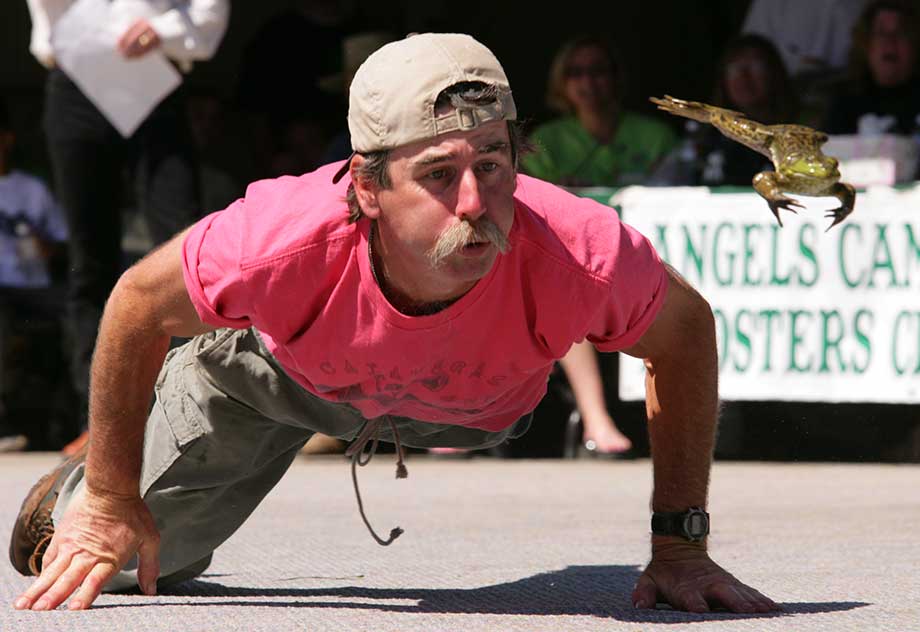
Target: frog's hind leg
751 134
847 196
690 109
766 184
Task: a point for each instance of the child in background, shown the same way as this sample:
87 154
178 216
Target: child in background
32 230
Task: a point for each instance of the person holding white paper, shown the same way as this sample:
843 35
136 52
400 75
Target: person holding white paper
88 154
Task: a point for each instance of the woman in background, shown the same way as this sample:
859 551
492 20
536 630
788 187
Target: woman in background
595 141
750 78
884 93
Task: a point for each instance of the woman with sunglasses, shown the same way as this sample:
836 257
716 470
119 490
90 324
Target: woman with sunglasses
595 141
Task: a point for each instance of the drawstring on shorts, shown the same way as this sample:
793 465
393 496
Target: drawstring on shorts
356 451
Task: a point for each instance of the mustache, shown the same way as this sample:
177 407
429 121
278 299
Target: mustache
463 234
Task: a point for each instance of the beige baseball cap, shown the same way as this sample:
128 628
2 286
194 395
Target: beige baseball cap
392 97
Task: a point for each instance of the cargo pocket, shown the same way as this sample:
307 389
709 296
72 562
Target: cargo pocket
175 422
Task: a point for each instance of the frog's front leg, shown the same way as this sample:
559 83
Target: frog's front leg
766 183
847 196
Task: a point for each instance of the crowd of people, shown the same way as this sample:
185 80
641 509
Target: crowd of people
846 67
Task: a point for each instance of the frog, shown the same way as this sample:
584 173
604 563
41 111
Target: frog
795 151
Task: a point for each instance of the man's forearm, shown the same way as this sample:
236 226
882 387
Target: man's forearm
682 403
129 354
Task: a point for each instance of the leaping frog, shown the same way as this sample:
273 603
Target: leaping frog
794 150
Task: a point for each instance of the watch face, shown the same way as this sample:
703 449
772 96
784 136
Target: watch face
696 524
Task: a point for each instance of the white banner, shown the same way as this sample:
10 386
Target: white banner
801 314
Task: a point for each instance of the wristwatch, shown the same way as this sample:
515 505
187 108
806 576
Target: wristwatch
692 525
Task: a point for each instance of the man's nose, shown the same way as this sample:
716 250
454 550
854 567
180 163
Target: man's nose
469 197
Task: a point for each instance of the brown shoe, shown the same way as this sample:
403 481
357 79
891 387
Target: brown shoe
33 528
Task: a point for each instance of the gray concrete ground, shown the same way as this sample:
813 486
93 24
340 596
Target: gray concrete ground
524 545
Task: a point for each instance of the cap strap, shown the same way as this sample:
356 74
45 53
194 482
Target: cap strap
343 169
467 118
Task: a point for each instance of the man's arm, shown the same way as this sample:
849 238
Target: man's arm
679 350
148 306
681 384
102 529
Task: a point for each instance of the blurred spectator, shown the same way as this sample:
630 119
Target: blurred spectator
596 142
884 94
291 118
32 229
355 49
219 176
88 155
599 432
812 37
752 79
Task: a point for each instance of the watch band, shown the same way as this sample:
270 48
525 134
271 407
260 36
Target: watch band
692 525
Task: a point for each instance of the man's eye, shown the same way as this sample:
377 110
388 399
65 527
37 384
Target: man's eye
438 174
488 166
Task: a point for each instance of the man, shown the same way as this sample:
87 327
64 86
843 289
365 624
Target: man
417 301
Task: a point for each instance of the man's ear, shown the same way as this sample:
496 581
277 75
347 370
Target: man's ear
365 190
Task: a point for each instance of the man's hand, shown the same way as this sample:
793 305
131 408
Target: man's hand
138 40
97 536
107 523
682 575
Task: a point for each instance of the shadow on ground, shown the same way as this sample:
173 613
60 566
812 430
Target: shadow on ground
601 591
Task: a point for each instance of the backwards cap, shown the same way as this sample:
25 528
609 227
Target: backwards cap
392 97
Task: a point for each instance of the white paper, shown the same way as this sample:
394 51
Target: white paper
125 90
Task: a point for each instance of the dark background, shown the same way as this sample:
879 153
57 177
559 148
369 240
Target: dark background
667 46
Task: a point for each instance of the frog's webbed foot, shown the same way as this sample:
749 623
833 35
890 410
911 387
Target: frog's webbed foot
785 203
847 196
766 184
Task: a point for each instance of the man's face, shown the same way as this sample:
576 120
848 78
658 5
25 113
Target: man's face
437 186
891 52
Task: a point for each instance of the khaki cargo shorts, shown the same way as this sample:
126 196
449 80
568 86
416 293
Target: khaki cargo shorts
226 424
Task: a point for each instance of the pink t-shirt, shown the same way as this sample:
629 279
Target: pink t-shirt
285 261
